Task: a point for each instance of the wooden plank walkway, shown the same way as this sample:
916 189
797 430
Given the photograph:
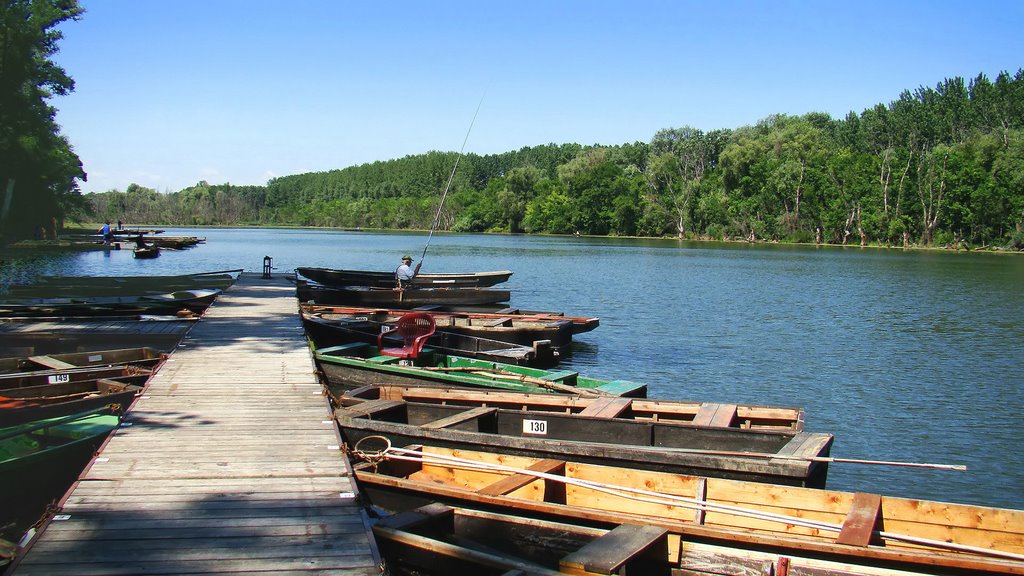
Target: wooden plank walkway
228 463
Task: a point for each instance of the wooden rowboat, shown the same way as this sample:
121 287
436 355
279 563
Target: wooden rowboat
170 303
359 364
395 298
43 377
84 286
605 432
335 277
20 405
472 315
742 416
146 252
54 363
333 332
41 458
865 533
523 331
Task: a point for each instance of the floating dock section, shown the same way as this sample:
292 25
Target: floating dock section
229 463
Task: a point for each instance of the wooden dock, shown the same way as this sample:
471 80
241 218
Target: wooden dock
229 462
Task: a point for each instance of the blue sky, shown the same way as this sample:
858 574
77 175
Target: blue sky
171 92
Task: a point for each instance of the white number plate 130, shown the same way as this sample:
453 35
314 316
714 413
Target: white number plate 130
535 427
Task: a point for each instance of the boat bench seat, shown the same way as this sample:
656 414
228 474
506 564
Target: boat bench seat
510 484
494 323
624 388
471 414
711 414
52 363
342 349
627 549
507 311
370 408
607 407
563 376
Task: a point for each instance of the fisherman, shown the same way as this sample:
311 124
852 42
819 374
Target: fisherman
404 274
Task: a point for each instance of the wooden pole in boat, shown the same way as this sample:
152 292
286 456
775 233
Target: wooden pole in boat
959 467
451 177
653 497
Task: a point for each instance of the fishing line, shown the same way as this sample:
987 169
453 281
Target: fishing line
451 177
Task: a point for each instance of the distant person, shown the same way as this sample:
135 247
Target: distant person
105 232
404 274
120 225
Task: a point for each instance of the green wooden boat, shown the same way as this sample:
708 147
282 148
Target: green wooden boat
39 459
358 364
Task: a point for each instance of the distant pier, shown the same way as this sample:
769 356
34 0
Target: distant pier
230 462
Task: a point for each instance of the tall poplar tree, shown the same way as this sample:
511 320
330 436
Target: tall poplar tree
38 168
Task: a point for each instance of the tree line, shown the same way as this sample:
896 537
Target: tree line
940 165
39 170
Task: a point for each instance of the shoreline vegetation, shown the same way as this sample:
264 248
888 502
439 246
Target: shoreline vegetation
939 166
69 242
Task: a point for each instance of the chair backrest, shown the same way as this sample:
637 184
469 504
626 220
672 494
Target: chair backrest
415 324
414 328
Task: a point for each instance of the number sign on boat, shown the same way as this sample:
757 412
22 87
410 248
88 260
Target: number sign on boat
537 427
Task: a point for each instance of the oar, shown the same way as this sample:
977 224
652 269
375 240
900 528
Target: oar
683 501
829 459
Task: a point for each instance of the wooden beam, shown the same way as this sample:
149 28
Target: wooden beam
862 520
51 362
369 408
470 414
711 414
516 481
607 407
641 549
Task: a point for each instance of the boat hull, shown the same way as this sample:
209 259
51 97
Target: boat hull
474 314
336 277
326 333
622 442
395 298
919 537
356 365
21 405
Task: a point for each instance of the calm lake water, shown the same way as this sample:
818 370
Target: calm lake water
905 356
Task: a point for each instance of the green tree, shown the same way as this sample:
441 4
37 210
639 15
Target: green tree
38 168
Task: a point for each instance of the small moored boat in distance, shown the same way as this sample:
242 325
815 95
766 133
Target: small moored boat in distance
336 277
146 252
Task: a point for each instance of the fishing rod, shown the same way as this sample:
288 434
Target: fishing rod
451 177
